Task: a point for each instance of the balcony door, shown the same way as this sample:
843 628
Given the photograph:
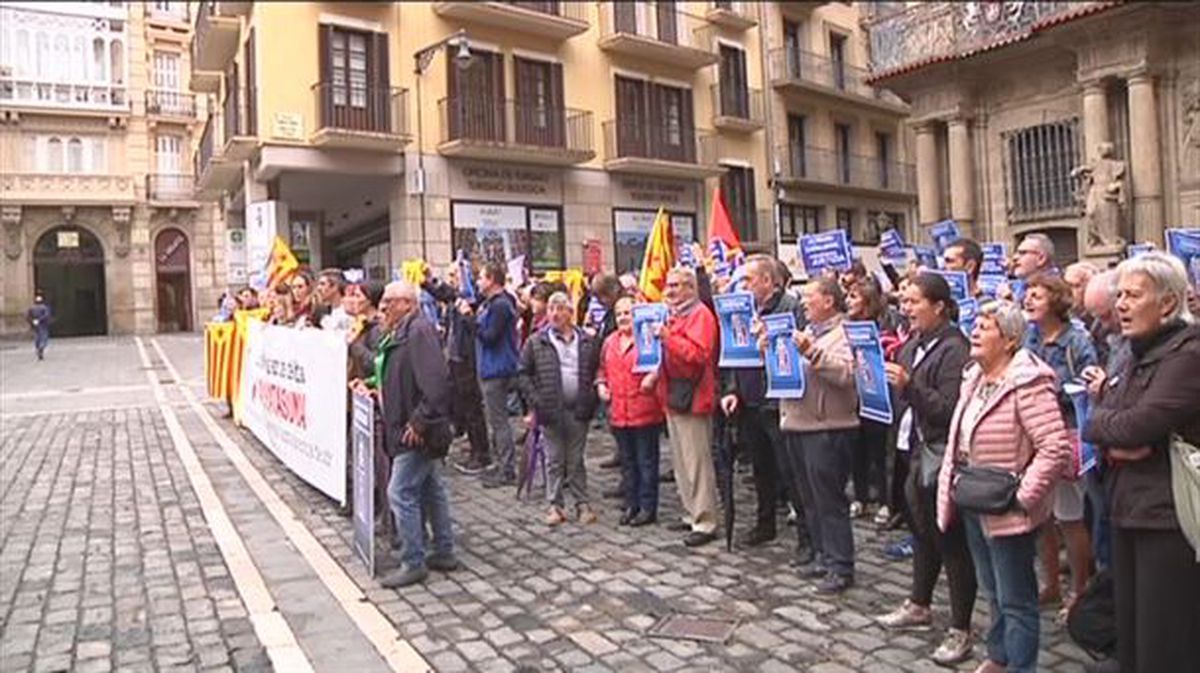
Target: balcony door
842 133
632 138
837 57
168 164
625 17
476 103
792 49
797 165
668 26
735 95
355 85
673 137
538 105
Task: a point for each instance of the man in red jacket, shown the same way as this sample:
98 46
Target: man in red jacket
687 390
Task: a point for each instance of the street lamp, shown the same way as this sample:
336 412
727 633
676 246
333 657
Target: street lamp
422 58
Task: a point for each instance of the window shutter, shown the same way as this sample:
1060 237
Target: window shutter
251 87
688 130
495 100
324 45
656 115
379 90
454 102
557 112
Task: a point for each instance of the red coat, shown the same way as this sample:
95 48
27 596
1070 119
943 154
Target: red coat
630 407
689 352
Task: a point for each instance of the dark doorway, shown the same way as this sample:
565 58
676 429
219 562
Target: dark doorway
173 309
68 267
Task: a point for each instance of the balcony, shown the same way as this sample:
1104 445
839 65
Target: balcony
227 140
659 149
734 15
170 105
177 15
171 190
66 189
238 125
514 130
822 169
736 109
74 96
215 40
907 35
556 20
804 73
374 118
656 33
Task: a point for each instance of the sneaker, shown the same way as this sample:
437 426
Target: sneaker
833 584
907 616
882 515
626 516
555 517
404 576
955 648
899 551
587 515
857 509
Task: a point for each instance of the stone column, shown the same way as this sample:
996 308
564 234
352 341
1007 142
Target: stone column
962 174
1145 167
1095 118
929 186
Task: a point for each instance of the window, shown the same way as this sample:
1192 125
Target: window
654 121
539 109
631 230
54 155
797 160
735 96
166 71
883 153
737 184
476 108
842 133
1038 164
75 156
99 71
501 232
796 220
348 67
845 221
877 223
837 57
168 153
793 50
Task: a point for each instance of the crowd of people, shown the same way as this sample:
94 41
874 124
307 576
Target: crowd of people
983 465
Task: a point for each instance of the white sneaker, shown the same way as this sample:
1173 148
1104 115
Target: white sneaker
856 509
955 648
907 616
882 515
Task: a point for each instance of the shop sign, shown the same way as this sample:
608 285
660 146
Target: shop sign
658 192
512 180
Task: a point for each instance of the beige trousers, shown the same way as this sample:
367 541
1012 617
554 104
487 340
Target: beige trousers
695 475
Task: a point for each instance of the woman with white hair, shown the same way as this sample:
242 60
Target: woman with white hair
1006 449
1156 396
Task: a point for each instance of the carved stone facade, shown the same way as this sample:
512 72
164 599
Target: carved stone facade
1005 122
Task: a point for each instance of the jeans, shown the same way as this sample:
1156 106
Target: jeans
639 467
1004 568
41 337
821 467
1093 490
495 401
417 485
565 470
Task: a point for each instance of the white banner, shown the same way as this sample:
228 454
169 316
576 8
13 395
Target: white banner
294 399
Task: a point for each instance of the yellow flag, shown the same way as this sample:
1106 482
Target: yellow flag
282 264
659 258
572 278
413 271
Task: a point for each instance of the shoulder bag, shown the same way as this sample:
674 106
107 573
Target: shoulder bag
984 489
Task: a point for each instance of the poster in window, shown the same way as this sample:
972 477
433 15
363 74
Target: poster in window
490 232
545 239
632 229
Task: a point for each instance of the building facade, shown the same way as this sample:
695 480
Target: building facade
380 132
1057 117
97 199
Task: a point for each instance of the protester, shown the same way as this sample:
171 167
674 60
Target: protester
635 416
557 379
757 417
496 356
1035 253
820 430
606 289
39 317
303 301
687 390
1154 397
368 329
282 306
331 285
965 255
247 299
1065 346
1077 276
926 377
865 301
1007 417
415 398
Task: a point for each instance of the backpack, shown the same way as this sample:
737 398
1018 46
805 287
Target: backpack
1092 621
1185 489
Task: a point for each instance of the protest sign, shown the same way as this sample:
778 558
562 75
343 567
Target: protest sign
989 284
735 311
968 311
943 234
994 255
596 313
826 250
1137 249
646 319
466 276
960 287
891 246
1185 244
874 400
294 400
926 256
785 368
1086 457
362 438
516 271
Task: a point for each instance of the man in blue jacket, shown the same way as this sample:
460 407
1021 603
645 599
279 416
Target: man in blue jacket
496 355
39 317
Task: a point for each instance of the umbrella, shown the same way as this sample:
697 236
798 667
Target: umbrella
725 468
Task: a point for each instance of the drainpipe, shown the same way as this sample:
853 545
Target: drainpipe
764 36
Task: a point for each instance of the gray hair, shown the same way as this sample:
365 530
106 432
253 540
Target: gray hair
685 272
1167 274
401 289
1009 319
1043 243
1103 286
1086 268
767 265
558 299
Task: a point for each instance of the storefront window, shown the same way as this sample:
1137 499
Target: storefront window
631 228
500 232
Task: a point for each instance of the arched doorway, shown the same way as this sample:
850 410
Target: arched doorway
68 266
172 273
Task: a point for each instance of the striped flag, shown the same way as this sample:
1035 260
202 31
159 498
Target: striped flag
659 258
218 348
724 246
282 263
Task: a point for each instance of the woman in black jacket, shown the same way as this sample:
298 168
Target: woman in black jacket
1155 571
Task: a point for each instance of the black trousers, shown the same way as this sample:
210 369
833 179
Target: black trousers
1156 582
466 407
761 438
820 468
870 459
933 549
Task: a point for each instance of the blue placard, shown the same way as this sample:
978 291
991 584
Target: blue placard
960 286
943 234
874 400
989 284
466 277
968 311
994 255
785 367
927 257
362 440
891 246
646 319
826 250
1087 458
735 311
1018 290
1135 249
1185 244
596 312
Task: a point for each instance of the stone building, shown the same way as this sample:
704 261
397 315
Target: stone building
1018 106
97 124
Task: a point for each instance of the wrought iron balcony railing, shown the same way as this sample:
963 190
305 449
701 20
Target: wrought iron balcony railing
370 109
170 187
820 165
208 144
515 122
662 24
737 102
168 103
565 9
790 65
658 140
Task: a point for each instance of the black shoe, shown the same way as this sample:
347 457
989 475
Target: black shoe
667 477
1102 666
679 527
404 576
834 584
812 571
611 463
642 519
803 556
446 564
626 516
756 536
697 538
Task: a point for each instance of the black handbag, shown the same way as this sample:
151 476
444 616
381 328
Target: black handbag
984 489
680 393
